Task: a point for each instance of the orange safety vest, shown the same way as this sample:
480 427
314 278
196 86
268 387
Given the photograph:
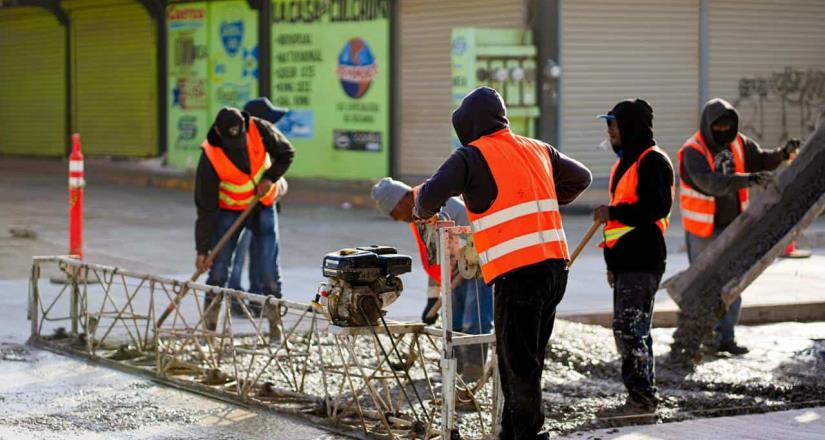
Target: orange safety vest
698 209
523 225
433 270
237 189
625 192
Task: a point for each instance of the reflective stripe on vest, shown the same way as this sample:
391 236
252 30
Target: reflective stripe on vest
698 209
237 189
523 225
625 192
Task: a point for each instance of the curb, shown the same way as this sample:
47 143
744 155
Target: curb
749 315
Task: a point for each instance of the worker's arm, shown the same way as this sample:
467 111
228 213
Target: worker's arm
697 173
570 177
654 192
278 147
757 159
448 181
206 201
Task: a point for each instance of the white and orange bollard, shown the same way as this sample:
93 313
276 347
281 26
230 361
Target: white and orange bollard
76 184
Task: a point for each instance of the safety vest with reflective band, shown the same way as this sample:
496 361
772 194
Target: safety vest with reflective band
433 270
698 209
523 225
237 190
625 192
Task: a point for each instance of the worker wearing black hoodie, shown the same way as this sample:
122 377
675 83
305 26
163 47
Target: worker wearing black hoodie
512 186
242 156
717 165
641 195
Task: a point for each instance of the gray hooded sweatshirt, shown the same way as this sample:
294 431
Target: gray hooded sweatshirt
721 182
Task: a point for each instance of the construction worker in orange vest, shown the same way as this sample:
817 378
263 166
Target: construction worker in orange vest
717 165
242 156
513 187
472 299
641 194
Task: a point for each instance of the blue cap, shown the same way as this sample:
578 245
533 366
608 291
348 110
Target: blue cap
263 108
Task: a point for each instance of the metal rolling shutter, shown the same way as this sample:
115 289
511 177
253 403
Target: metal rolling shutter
115 77
752 44
425 101
616 50
32 82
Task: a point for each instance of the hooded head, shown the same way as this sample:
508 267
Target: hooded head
482 112
230 128
634 118
719 124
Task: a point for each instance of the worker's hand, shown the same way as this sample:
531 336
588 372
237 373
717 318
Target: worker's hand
611 280
601 214
263 186
791 148
202 264
760 178
424 315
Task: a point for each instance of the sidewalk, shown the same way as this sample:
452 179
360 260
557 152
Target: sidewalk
802 424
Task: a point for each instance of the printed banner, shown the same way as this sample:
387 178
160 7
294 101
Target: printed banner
331 69
212 63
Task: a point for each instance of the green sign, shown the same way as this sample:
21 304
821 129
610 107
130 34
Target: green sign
331 69
213 63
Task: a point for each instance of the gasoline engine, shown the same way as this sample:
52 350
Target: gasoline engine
361 283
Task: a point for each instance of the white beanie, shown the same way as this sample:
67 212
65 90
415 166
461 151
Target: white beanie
387 193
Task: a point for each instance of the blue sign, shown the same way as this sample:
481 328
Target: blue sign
232 36
297 124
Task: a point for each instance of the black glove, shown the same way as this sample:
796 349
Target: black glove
791 147
760 178
430 304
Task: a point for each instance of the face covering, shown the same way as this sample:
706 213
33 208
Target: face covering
724 137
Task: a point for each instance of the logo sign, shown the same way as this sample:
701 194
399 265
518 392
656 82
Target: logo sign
357 140
356 68
187 128
232 36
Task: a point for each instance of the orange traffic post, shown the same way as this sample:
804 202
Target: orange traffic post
76 185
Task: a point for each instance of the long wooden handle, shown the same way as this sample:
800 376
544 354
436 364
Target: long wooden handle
209 259
590 232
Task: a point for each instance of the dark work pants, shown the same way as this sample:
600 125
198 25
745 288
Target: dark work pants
525 309
633 295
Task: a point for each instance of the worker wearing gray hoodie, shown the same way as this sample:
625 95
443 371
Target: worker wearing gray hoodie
717 165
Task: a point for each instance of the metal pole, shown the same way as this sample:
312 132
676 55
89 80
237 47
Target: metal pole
34 301
448 361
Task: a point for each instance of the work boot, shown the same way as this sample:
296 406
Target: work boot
733 348
633 406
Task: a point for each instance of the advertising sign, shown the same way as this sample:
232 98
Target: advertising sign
331 69
212 63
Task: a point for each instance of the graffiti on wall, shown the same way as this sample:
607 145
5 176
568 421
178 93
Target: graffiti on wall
797 95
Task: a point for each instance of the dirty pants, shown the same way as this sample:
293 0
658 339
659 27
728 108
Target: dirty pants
633 294
263 252
725 326
525 309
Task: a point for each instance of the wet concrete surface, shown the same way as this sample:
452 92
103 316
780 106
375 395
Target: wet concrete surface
46 396
785 369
